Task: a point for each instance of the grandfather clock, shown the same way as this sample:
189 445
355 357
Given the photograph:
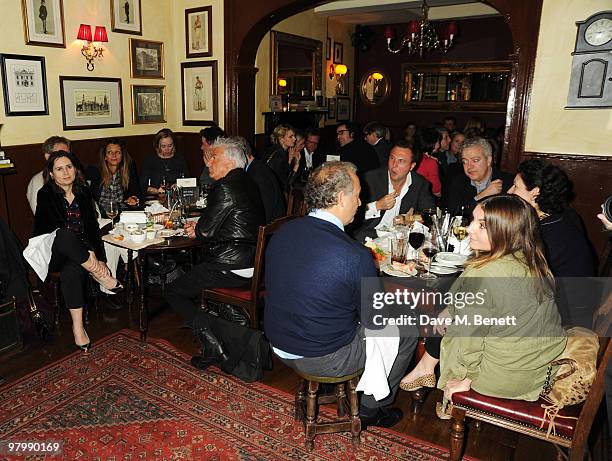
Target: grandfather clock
591 78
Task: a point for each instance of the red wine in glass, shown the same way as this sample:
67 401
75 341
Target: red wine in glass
416 239
430 251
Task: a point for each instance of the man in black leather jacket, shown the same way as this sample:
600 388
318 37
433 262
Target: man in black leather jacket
228 227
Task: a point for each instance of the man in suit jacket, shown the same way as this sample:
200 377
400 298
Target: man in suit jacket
310 157
480 179
354 150
375 136
394 190
314 318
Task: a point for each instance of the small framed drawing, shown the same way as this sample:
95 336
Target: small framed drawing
338 52
328 49
43 22
331 108
146 58
276 102
199 92
198 32
25 85
148 104
91 102
126 17
344 109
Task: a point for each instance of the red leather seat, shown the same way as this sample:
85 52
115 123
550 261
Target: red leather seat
519 411
241 293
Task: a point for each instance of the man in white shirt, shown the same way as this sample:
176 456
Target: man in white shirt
393 190
52 144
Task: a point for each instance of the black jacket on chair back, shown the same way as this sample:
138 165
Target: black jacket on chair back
51 215
230 222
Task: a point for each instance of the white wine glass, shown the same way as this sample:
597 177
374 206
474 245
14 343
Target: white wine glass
112 212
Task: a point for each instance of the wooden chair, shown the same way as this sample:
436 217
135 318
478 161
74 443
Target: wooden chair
347 406
527 417
56 292
296 206
250 299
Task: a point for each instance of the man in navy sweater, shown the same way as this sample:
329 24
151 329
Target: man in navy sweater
314 272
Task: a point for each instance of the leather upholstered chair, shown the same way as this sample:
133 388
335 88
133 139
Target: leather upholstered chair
296 206
250 299
571 426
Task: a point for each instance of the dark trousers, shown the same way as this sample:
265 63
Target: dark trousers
432 346
67 255
350 358
180 293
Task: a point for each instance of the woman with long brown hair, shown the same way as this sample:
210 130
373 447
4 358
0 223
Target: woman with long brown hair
512 329
114 180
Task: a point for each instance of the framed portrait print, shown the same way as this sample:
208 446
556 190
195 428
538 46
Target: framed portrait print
328 49
25 85
338 52
148 104
331 108
91 102
43 22
126 17
146 58
199 92
344 109
198 32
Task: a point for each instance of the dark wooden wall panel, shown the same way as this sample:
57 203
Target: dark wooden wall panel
29 160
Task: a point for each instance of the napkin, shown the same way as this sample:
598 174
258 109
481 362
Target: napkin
460 247
156 208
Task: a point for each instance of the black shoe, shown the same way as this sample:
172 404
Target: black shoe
202 363
112 302
385 417
211 346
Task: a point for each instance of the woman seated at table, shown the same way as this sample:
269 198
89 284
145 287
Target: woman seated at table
510 272
65 203
114 179
277 157
161 170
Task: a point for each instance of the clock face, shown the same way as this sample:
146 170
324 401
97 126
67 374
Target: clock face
599 32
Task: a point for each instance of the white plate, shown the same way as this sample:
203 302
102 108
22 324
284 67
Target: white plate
451 258
152 202
382 233
443 270
390 270
158 227
166 233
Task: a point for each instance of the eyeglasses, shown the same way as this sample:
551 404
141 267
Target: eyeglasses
341 131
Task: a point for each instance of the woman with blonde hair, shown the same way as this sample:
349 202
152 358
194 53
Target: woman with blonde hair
511 280
277 157
114 180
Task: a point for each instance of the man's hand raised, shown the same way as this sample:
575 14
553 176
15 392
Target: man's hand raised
387 202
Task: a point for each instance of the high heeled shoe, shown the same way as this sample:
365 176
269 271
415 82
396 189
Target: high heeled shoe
100 273
83 347
422 381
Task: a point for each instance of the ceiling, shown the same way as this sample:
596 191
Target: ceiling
397 11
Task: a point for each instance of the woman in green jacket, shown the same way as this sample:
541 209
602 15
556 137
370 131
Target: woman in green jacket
501 343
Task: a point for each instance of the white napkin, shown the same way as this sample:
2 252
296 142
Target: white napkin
382 347
38 253
460 247
156 208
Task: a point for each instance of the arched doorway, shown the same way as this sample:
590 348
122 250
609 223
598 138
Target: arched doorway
243 33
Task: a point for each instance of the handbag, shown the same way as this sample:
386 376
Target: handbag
572 383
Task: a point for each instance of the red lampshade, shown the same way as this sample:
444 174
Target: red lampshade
84 32
413 27
100 34
452 28
389 32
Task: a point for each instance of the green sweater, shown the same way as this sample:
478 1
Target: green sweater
502 360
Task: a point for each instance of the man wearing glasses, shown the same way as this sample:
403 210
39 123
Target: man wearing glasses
355 150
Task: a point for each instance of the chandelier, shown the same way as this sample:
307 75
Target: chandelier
422 37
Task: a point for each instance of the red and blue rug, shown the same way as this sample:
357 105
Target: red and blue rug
133 400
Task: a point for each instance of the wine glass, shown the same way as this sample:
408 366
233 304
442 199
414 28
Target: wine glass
428 215
430 249
112 212
459 228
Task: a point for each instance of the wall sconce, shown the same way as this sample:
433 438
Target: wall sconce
338 72
282 84
90 51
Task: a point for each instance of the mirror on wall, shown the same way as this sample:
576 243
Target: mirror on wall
374 87
296 65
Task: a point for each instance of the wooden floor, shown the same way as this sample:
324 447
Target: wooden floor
488 443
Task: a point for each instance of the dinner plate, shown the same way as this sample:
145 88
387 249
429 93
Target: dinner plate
152 202
158 227
166 233
451 258
390 270
443 270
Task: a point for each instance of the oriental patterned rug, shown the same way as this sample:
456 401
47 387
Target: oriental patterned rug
129 400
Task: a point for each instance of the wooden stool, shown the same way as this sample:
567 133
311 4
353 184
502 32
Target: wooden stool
345 397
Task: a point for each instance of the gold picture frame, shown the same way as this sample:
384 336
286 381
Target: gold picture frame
146 58
43 22
148 104
120 16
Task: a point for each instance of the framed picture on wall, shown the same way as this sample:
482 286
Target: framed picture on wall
331 108
148 104
25 85
91 102
338 52
198 32
199 93
43 22
344 109
126 17
328 49
146 58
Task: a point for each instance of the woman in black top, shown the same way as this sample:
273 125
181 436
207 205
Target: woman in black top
114 179
66 204
569 253
161 170
277 157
